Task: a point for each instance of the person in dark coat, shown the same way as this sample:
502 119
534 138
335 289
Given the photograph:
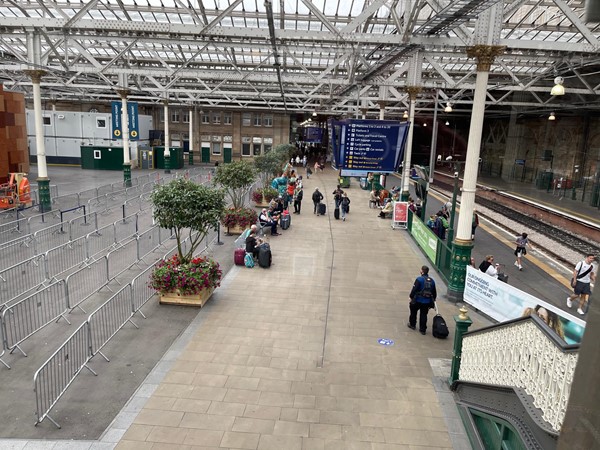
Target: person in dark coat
316 198
422 298
298 200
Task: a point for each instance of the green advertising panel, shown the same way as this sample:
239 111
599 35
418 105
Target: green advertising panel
425 238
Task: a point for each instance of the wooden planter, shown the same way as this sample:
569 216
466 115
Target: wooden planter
173 298
237 229
262 204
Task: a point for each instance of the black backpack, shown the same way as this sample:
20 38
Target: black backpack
427 291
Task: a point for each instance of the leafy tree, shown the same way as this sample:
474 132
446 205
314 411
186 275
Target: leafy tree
268 166
184 205
236 178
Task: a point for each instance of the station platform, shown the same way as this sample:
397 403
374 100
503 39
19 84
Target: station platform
290 357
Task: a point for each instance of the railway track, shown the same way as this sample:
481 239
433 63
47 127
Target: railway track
560 235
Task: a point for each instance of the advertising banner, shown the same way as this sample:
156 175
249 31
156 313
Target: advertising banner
424 238
502 302
117 119
399 215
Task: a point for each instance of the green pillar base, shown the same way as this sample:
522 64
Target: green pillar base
461 258
191 158
463 322
404 196
44 194
127 174
167 163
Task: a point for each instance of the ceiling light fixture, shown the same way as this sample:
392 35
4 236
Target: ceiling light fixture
558 88
315 114
448 108
405 115
424 124
447 123
551 116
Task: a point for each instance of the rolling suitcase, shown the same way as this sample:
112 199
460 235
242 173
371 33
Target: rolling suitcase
501 275
439 328
336 213
286 220
238 256
264 256
321 209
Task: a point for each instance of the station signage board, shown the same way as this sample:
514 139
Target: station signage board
117 120
362 146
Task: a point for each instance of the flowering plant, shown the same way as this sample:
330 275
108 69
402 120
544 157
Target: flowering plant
243 217
257 196
190 278
266 193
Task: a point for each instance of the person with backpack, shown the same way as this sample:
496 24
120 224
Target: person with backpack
316 198
422 298
440 225
584 274
337 196
345 205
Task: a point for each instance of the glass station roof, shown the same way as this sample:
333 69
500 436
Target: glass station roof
329 56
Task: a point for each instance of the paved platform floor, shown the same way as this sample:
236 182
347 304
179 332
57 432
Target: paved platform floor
288 358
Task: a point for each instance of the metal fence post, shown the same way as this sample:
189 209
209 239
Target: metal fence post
463 322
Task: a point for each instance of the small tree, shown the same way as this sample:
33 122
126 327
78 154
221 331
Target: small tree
268 166
184 205
236 178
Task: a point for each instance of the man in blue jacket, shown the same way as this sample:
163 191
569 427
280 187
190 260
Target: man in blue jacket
422 298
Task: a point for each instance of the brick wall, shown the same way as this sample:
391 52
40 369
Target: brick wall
14 155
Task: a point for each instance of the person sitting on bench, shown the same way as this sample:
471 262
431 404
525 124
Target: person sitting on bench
266 221
387 209
253 242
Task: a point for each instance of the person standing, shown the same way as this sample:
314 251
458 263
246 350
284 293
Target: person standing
298 200
304 160
316 198
474 225
422 298
298 160
521 250
345 205
337 196
583 277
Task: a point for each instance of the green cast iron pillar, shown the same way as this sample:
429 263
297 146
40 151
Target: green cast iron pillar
191 158
463 322
461 258
167 155
450 235
127 174
44 193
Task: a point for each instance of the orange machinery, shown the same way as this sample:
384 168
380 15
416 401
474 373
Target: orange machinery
16 193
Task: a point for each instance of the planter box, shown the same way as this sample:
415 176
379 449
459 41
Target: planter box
234 230
261 205
173 298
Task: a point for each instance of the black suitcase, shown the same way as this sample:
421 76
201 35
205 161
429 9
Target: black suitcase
264 256
321 209
439 328
336 213
286 221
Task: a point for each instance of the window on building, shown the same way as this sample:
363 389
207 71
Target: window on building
256 149
246 146
205 118
268 120
268 144
227 118
101 122
175 116
257 120
47 120
216 118
246 119
161 114
216 148
185 116
176 140
267 148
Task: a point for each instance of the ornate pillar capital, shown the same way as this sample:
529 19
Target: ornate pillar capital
382 103
35 75
413 91
123 93
485 55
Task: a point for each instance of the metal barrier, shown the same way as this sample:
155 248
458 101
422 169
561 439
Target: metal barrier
84 283
101 240
28 316
65 257
34 191
52 236
21 278
125 228
55 376
109 318
17 250
141 291
9 229
66 201
80 226
122 258
147 241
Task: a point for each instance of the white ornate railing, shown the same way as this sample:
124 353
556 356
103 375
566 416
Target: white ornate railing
520 354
